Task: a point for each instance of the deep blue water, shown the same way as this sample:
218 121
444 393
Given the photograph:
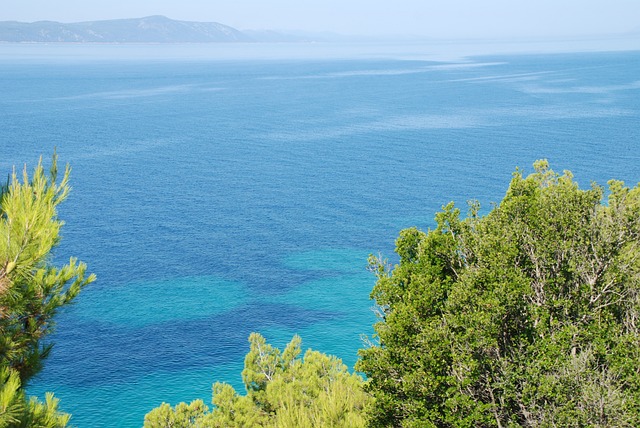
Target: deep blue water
214 198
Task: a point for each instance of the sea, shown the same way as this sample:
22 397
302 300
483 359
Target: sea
223 190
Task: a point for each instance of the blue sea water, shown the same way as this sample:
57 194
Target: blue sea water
214 197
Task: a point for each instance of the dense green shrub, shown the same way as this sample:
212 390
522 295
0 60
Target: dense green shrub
528 316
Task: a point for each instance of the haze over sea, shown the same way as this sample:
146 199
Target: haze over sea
220 190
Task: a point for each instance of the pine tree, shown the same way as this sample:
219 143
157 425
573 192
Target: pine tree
31 289
283 390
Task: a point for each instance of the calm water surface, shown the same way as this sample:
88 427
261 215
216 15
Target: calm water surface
216 197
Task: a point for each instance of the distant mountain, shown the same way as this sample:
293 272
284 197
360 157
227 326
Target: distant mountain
151 29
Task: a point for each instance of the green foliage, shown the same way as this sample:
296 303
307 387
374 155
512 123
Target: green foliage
16 412
31 289
182 416
283 390
528 316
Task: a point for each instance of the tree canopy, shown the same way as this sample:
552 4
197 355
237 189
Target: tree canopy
528 316
283 390
32 289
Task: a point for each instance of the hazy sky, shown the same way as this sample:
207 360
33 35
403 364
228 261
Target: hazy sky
438 18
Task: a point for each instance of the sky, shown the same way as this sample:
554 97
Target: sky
429 18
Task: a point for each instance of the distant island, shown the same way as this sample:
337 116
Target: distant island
150 29
160 29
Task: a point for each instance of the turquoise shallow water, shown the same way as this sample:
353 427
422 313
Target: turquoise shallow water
216 197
